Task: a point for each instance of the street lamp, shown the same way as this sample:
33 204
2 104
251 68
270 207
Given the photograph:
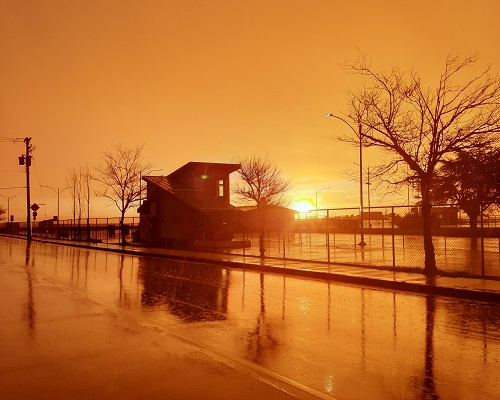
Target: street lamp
8 205
359 133
58 191
318 191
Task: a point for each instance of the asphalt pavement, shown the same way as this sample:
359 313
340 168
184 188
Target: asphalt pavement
87 324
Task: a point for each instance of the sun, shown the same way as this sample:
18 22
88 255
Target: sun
303 205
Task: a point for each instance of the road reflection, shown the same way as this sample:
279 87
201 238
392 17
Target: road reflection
192 292
262 341
30 306
344 341
342 351
429 386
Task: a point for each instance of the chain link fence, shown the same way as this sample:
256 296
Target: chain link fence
96 230
381 237
385 237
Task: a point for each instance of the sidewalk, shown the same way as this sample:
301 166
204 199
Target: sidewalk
469 288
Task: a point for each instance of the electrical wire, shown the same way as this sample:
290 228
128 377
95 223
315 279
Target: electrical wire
13 140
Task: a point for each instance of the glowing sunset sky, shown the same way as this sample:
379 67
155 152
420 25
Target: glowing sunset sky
210 81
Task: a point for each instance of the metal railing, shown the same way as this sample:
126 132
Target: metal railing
393 240
102 230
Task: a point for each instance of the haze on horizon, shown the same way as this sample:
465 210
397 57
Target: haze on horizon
210 81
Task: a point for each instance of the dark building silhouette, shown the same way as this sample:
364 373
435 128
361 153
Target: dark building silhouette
190 206
274 219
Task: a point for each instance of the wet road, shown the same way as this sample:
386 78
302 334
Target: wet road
95 324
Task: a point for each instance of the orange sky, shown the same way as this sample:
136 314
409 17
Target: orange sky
209 81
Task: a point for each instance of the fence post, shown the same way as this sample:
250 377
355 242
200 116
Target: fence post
328 234
482 239
284 241
393 240
244 235
383 227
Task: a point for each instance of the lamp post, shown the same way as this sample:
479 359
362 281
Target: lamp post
359 133
368 183
58 191
8 205
318 191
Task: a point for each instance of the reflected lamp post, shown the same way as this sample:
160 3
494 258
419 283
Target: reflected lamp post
8 205
358 133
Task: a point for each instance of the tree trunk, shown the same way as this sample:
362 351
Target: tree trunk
262 249
262 218
122 229
430 258
473 230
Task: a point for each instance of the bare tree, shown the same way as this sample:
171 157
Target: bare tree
74 181
2 213
120 177
418 126
261 183
86 185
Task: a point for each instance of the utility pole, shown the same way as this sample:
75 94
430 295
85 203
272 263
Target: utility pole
25 160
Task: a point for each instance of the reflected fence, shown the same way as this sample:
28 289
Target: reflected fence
381 237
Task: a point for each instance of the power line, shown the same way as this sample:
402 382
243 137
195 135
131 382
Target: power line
13 140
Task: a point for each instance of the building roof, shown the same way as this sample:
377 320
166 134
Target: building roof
186 183
197 168
269 208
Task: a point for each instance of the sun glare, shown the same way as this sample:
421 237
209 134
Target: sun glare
303 205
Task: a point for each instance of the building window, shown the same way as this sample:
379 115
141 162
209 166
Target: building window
220 188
